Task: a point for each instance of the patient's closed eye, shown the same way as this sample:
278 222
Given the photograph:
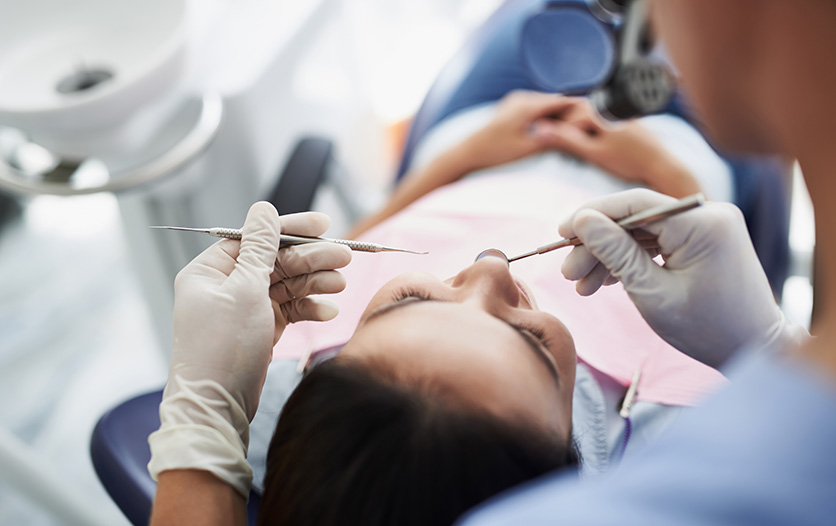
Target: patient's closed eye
533 334
407 293
538 333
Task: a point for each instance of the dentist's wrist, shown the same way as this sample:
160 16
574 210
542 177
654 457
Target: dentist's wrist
203 428
786 336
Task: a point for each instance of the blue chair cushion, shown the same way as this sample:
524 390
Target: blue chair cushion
120 453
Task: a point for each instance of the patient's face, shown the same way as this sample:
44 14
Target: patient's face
478 339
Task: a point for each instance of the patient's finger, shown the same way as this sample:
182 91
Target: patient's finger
322 282
311 308
584 122
311 257
545 104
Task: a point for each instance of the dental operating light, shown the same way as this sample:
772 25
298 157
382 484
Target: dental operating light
599 48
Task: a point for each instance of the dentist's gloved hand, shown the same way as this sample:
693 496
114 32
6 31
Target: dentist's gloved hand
711 296
231 304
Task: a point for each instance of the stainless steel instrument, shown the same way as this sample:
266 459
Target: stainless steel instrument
235 233
632 222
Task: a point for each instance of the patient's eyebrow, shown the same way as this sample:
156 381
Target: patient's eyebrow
537 347
389 307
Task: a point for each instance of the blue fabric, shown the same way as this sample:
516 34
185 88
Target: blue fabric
120 453
487 67
759 452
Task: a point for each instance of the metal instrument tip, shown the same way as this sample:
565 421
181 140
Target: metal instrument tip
390 249
180 228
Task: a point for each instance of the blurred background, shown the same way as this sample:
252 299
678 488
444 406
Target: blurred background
131 134
76 330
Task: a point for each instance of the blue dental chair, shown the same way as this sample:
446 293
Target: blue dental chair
119 443
120 452
119 447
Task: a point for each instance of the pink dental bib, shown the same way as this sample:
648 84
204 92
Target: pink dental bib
514 213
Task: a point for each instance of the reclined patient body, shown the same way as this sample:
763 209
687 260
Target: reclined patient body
475 347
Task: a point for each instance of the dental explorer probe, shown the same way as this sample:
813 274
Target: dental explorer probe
235 233
632 222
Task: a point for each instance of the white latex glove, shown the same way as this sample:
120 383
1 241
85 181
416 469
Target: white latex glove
231 304
711 296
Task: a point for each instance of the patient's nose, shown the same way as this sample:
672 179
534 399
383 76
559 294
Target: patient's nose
487 281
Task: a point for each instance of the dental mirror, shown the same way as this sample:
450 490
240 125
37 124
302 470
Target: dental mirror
493 252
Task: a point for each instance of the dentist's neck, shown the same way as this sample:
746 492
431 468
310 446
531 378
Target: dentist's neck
794 95
820 176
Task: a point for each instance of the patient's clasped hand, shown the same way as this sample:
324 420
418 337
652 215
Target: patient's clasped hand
526 123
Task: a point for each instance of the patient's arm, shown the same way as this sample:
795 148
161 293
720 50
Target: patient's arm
626 150
446 168
529 122
506 138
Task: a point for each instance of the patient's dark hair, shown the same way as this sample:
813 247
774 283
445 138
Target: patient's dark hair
354 446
